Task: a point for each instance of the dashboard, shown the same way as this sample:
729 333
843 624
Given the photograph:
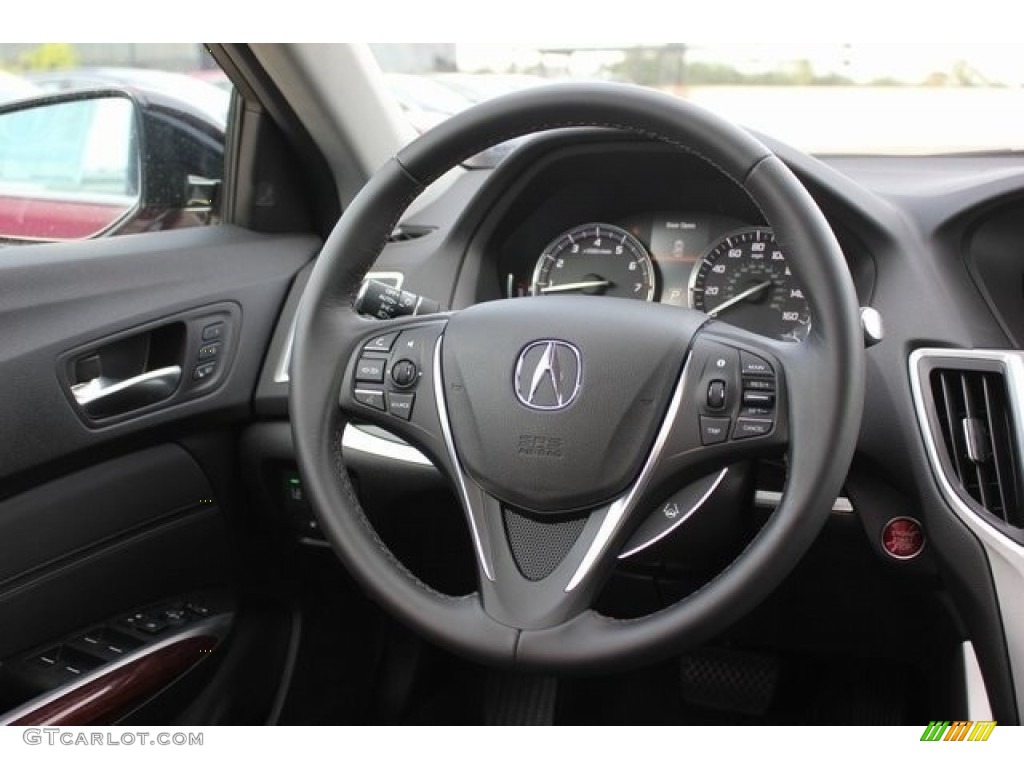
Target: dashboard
930 244
911 582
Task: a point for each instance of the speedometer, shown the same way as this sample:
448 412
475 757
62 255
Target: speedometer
595 259
744 279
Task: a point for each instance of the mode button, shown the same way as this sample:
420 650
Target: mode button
370 369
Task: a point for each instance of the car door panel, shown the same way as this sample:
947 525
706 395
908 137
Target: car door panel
87 509
106 511
54 300
105 539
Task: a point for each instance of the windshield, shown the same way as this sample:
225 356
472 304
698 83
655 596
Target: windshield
840 98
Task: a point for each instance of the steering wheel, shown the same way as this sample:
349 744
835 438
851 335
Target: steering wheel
562 422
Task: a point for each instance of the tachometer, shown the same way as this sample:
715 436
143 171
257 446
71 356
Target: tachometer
744 279
596 259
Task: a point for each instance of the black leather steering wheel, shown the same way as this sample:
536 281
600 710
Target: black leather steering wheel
562 422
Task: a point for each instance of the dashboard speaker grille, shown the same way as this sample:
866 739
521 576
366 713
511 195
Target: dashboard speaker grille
972 409
538 546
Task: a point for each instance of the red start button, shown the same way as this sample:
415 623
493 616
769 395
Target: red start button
903 538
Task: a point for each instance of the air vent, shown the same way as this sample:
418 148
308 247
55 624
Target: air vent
972 408
403 233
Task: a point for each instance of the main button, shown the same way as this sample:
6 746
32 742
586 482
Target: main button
752 365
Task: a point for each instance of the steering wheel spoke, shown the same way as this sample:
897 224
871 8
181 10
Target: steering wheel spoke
531 561
731 404
541 564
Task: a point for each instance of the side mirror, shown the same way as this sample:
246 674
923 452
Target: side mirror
69 166
100 162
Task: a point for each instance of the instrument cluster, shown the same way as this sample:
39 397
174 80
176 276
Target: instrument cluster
711 262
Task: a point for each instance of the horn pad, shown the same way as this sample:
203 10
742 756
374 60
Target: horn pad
554 402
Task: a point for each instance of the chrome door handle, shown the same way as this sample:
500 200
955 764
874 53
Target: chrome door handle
102 397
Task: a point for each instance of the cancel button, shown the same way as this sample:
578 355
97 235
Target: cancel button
746 427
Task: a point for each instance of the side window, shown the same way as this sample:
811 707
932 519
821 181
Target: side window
98 140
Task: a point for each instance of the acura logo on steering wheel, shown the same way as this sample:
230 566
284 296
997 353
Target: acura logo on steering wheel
548 375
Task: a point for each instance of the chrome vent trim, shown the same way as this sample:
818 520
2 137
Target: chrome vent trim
978 705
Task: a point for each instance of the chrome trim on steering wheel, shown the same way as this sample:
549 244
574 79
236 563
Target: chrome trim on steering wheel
624 504
460 479
680 519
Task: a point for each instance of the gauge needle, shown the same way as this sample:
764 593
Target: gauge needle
739 297
576 286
